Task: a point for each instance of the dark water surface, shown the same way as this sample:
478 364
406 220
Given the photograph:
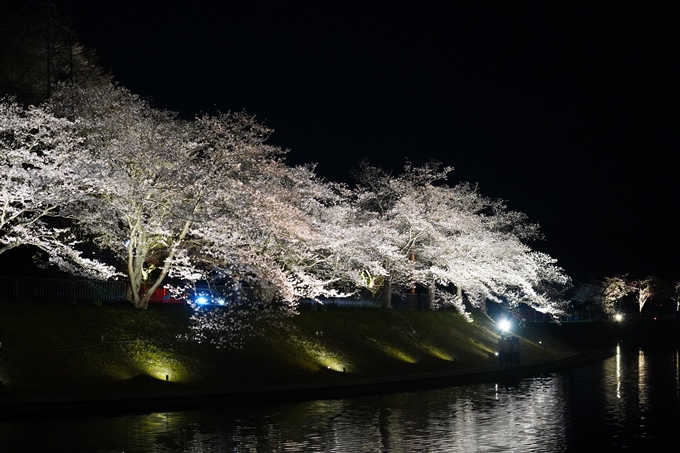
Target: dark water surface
628 402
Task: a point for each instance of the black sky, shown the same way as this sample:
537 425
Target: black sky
568 112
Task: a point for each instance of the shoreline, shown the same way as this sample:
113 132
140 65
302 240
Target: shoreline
50 407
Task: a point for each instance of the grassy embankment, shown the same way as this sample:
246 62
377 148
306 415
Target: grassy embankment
89 350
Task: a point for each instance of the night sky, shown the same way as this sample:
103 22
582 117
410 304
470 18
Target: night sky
567 112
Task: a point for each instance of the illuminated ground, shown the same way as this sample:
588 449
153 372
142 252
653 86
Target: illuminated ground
63 350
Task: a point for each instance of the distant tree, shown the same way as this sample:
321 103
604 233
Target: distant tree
38 50
589 296
608 293
646 289
613 290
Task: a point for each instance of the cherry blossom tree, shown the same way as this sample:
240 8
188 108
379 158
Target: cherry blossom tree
284 238
477 245
589 295
134 174
646 289
37 151
439 235
608 293
275 238
200 198
379 197
613 290
158 184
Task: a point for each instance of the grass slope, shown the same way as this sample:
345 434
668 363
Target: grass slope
88 350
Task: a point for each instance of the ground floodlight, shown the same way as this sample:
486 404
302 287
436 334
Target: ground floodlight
201 300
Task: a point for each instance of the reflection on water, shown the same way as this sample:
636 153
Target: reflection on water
633 403
630 400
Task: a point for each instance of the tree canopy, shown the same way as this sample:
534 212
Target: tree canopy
40 181
210 198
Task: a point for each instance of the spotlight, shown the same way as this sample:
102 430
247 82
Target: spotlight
202 300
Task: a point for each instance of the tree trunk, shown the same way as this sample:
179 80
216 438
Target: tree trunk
466 303
431 290
387 294
141 294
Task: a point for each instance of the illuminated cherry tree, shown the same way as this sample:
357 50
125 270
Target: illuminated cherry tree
194 199
614 289
646 289
279 236
605 294
152 178
440 235
37 151
608 293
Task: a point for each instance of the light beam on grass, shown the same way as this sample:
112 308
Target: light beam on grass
398 354
160 372
329 361
394 352
158 366
320 357
439 353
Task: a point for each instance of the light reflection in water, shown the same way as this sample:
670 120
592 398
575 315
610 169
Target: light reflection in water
621 402
642 380
618 371
526 414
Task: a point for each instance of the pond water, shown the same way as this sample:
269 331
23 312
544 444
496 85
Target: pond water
630 401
